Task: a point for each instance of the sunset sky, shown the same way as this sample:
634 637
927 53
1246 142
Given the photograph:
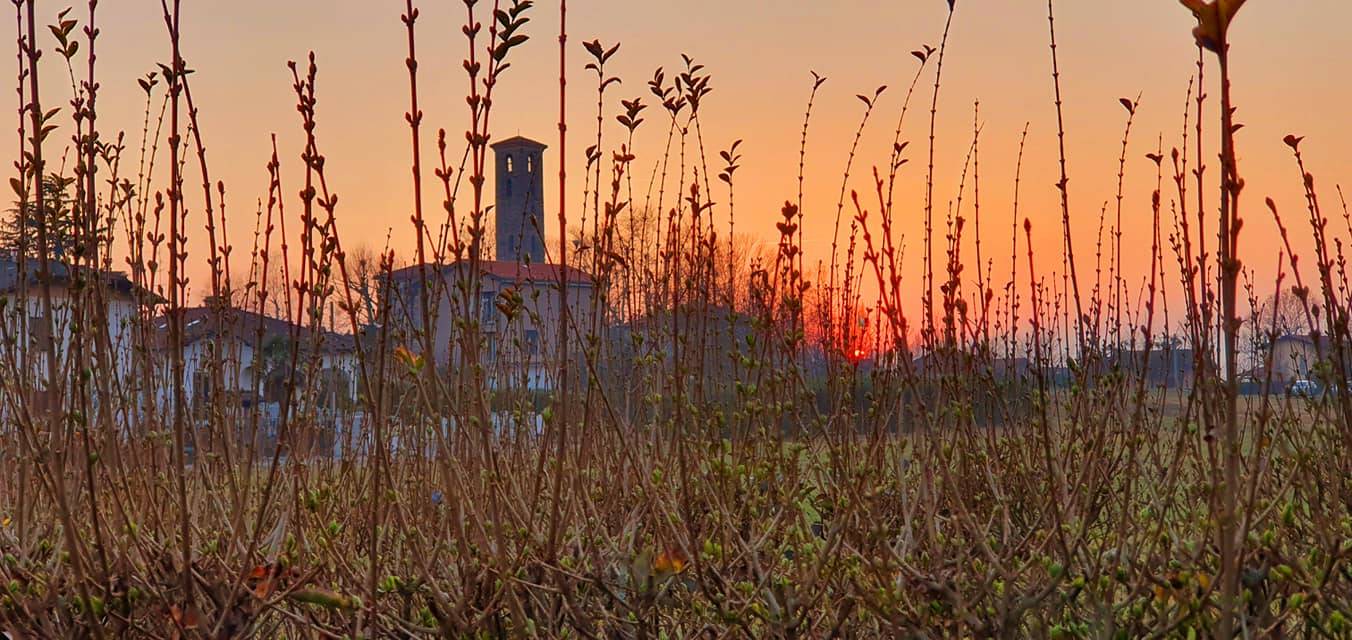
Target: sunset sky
1292 67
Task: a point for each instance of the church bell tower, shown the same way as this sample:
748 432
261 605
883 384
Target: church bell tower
519 214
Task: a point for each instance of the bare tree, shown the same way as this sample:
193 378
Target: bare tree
363 265
1284 312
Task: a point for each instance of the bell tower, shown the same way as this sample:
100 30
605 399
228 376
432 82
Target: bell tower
519 214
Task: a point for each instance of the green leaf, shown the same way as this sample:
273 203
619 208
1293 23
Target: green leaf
810 512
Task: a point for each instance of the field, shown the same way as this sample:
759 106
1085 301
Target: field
715 439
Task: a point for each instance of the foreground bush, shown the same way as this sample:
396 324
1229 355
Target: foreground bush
717 445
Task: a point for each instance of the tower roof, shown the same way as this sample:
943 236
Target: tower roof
518 141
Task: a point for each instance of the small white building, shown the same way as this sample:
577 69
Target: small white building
1300 357
253 356
108 300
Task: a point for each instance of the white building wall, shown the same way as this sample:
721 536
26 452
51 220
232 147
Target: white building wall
524 349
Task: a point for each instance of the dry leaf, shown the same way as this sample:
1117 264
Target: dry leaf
670 561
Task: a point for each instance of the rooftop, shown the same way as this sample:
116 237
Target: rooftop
518 141
115 281
507 271
209 322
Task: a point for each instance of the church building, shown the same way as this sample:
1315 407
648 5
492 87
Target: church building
519 350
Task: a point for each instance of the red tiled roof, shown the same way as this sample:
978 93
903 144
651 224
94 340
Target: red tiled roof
510 271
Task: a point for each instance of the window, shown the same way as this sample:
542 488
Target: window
509 164
201 387
39 328
507 186
530 164
532 342
486 308
415 296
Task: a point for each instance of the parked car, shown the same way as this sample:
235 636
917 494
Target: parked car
1305 388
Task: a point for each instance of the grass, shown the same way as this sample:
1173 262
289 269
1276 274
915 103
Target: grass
714 458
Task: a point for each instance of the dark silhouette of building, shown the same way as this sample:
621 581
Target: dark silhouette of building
1164 366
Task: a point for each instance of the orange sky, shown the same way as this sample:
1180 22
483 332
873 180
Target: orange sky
1290 57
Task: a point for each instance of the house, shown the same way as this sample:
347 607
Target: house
515 296
252 354
1298 357
23 309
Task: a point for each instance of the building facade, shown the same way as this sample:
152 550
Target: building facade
1300 357
251 356
23 309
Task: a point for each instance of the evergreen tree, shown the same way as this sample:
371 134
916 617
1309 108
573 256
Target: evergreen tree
57 211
